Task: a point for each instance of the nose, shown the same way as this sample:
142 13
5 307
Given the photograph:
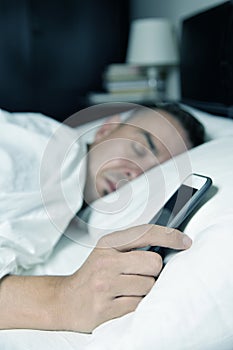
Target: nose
132 172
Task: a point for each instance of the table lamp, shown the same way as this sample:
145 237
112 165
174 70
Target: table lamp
152 45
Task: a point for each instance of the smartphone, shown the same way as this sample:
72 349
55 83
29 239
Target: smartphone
181 203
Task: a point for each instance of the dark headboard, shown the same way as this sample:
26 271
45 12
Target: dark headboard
52 53
207 60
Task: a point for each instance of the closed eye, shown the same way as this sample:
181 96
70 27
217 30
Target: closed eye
150 142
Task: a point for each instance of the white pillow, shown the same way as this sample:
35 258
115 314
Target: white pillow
216 126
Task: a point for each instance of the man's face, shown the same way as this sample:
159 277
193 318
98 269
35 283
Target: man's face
122 152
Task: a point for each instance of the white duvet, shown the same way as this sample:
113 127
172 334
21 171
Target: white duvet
33 214
191 305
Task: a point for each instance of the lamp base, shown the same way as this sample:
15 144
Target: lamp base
157 81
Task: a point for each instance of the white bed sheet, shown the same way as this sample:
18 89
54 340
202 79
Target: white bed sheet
197 312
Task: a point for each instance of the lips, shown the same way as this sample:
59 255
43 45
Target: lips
111 185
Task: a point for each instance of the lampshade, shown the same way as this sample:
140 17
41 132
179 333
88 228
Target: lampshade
152 41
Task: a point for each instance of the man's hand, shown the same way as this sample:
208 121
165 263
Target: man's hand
116 277
111 283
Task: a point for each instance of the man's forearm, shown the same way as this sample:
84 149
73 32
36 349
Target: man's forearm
29 302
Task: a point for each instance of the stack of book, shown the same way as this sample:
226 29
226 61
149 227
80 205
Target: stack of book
124 83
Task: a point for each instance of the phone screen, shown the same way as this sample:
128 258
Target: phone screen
175 204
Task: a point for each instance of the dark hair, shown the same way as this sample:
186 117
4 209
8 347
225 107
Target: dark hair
193 127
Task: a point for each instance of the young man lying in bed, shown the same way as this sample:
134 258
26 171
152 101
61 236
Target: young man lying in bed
112 281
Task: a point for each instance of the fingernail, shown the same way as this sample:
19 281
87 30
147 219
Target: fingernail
187 241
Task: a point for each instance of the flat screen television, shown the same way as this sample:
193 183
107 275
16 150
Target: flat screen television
207 60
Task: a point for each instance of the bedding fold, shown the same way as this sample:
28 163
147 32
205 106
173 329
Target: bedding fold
36 151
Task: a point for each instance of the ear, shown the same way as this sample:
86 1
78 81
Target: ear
109 125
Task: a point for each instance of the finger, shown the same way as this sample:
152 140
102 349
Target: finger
146 235
118 307
141 263
125 305
132 285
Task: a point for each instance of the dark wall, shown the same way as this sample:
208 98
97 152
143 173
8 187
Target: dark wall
52 53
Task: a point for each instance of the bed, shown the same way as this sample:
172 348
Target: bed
191 305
